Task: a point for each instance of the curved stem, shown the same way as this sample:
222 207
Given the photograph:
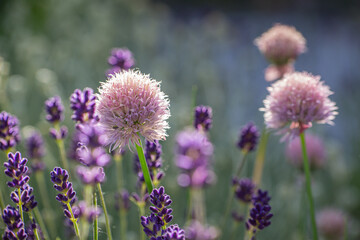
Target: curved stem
108 228
308 186
144 167
74 221
96 227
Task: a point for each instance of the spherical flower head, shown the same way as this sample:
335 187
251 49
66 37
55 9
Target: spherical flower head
281 44
83 105
298 100
120 59
331 223
9 131
244 189
249 136
203 118
54 109
35 146
130 104
16 169
315 150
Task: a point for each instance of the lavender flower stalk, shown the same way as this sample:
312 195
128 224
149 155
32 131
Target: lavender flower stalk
203 118
9 132
83 105
120 59
14 225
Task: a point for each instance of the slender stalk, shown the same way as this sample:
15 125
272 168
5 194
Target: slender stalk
308 186
2 206
35 230
61 146
20 206
88 195
141 213
199 205
144 167
108 228
260 158
74 221
96 227
41 223
122 212
189 213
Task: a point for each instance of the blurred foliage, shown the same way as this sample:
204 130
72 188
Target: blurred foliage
56 46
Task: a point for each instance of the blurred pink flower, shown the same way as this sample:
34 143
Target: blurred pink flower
315 150
296 101
274 72
281 44
131 103
331 223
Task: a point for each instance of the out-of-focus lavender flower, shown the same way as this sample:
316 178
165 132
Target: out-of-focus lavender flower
122 200
120 59
203 118
244 189
9 131
67 194
315 149
260 213
90 175
14 225
298 100
16 169
90 151
193 154
331 223
83 105
249 136
197 231
237 217
87 212
36 151
281 44
27 198
130 104
30 231
54 109
57 135
275 72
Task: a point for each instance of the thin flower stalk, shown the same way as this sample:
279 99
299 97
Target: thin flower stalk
144 166
95 226
36 233
103 204
308 186
260 158
122 213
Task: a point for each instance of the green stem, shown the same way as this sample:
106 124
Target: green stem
189 213
260 158
242 163
41 223
141 213
88 195
73 220
308 186
96 227
61 146
122 212
108 228
20 206
2 206
35 230
144 167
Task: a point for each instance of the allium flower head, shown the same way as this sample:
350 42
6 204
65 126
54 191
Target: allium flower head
54 109
249 136
203 118
298 99
9 131
120 59
131 103
83 105
315 150
281 44
331 224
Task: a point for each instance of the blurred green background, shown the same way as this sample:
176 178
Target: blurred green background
54 47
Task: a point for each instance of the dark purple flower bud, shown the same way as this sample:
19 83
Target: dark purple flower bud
261 197
249 136
27 198
197 231
30 231
16 169
244 189
152 225
9 131
14 226
91 175
120 59
54 109
83 104
203 118
174 232
153 154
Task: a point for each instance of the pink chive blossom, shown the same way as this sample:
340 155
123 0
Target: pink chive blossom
296 101
281 44
130 103
315 150
331 223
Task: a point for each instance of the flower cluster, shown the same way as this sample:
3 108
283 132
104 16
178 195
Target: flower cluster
83 105
193 154
260 213
36 151
9 131
26 197
298 99
122 200
197 231
315 149
16 169
155 224
203 118
249 136
55 114
244 189
130 104
82 210
120 59
67 195
14 225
